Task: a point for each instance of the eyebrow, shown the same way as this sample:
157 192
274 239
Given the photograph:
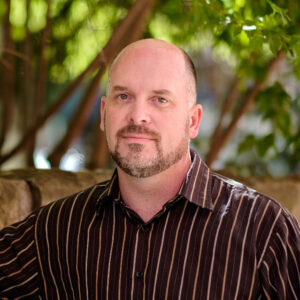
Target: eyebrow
162 92
119 88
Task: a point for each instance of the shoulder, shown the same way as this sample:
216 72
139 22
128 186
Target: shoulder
267 219
84 200
238 194
261 211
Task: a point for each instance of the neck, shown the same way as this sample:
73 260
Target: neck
146 196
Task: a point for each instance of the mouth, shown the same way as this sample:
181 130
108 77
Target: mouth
137 138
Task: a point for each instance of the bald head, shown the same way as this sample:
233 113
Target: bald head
163 51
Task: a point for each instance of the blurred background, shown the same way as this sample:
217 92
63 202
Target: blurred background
53 71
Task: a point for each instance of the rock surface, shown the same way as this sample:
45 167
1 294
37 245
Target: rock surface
21 191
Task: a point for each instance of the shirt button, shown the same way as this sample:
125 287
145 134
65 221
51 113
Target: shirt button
139 275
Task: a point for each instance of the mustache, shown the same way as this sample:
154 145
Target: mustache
139 129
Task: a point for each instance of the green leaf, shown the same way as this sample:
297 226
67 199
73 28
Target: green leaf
282 12
275 44
283 122
264 144
243 37
256 42
239 4
247 144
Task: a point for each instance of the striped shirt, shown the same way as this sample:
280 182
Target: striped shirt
217 239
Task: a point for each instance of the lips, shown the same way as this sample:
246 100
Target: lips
137 138
138 133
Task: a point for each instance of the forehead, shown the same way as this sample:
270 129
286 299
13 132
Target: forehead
158 64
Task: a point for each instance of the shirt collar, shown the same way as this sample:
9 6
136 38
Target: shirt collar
196 188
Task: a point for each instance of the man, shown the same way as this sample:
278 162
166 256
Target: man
164 226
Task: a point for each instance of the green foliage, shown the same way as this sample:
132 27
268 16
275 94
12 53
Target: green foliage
276 107
247 34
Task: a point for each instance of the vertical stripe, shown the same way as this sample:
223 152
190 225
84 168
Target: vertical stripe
38 253
121 262
134 262
229 245
262 217
252 280
268 274
110 252
212 264
159 257
243 249
199 257
205 189
266 293
194 183
87 255
255 261
49 250
58 247
201 244
78 239
268 238
294 259
279 273
286 255
67 244
147 261
174 249
98 258
187 252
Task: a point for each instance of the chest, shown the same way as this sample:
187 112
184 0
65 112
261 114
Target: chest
188 255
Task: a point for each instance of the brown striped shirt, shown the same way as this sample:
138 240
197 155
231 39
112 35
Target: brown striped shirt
216 240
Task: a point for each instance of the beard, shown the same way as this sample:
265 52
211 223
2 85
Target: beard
133 163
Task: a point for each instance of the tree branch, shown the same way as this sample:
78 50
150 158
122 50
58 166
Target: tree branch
244 108
226 108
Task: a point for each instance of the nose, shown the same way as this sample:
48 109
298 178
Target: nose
139 112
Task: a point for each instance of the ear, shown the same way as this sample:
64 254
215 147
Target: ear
102 113
195 119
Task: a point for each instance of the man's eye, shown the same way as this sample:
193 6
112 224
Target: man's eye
123 97
161 100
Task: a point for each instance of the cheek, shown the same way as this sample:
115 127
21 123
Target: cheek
112 122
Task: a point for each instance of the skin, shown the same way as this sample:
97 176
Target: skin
149 115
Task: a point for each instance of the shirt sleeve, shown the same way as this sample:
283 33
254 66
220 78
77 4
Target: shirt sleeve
19 269
280 265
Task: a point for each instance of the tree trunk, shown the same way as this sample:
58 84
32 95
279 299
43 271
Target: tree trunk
26 103
244 108
7 78
130 29
40 85
226 108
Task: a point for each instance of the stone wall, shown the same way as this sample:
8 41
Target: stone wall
21 191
